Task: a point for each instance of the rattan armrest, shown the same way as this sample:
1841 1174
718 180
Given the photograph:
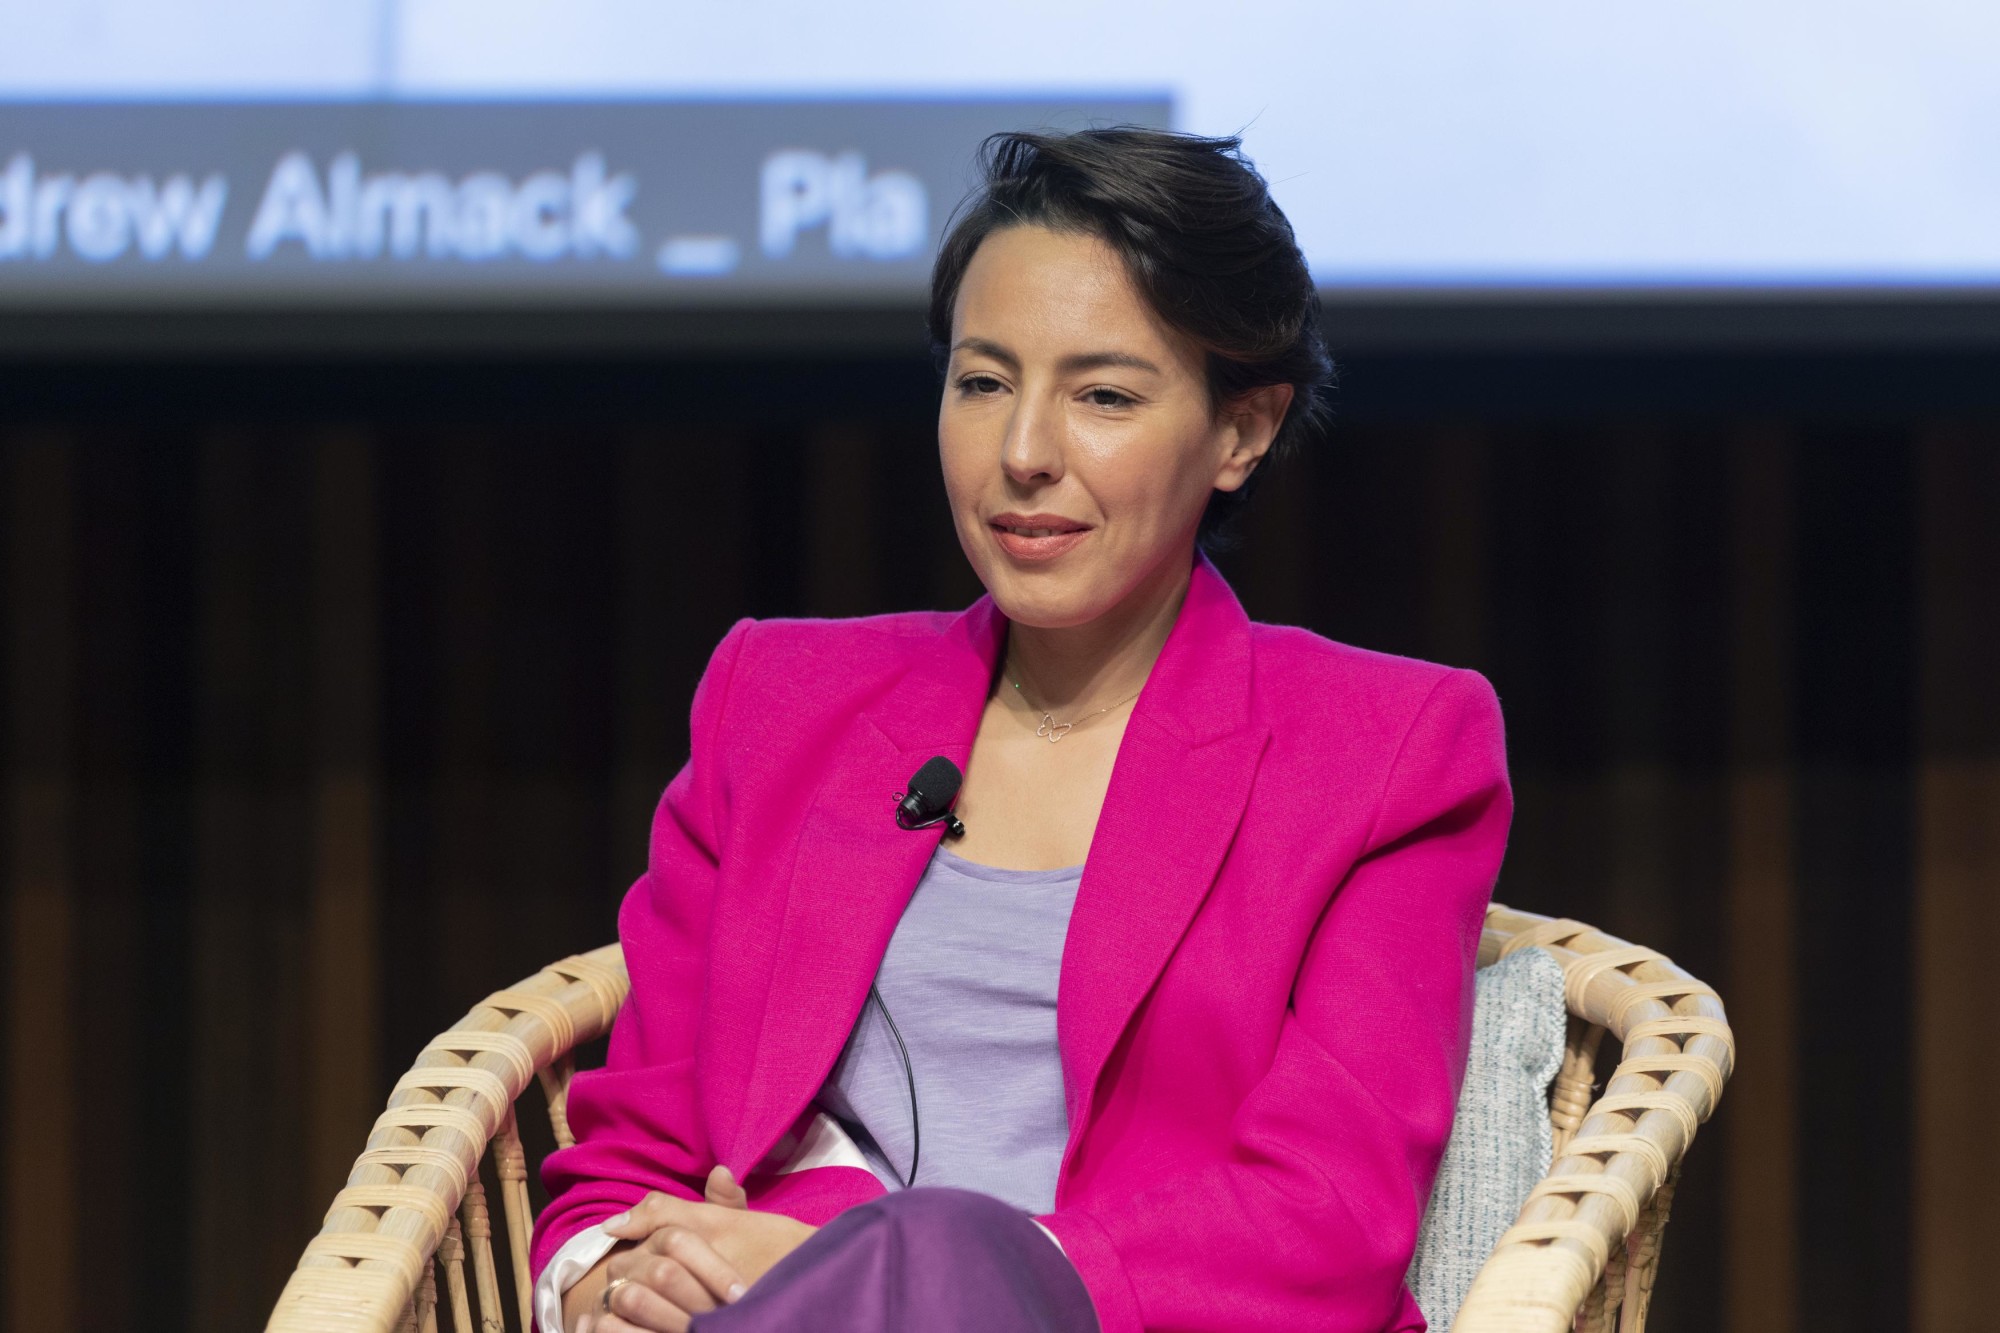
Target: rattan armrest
1585 1247
414 1194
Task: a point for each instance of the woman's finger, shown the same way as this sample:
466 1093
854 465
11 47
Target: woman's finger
636 1305
723 1189
719 1279
680 1266
611 1323
623 1262
670 1280
651 1213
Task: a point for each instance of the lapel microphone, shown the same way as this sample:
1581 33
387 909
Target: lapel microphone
928 802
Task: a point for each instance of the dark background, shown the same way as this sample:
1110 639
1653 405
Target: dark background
336 690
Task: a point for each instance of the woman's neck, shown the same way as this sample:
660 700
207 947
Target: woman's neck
1103 660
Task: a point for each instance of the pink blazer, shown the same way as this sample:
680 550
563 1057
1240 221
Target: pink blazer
1266 989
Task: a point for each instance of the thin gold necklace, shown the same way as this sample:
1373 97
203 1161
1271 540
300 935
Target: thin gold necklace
1051 729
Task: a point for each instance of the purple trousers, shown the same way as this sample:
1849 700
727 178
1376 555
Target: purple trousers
925 1260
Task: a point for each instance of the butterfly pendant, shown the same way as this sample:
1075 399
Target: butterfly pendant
1053 729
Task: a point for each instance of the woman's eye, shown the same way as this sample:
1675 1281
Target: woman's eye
979 386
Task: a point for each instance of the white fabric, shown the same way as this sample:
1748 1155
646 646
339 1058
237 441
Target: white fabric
578 1255
816 1141
820 1141
1501 1138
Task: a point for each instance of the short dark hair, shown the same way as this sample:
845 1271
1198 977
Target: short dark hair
1203 241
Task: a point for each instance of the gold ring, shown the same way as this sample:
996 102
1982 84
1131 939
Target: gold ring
604 1297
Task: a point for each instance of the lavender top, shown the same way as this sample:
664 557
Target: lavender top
970 978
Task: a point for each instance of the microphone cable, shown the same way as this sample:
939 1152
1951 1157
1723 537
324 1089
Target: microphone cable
926 803
909 1073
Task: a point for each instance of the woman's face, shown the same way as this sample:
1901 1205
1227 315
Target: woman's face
1077 437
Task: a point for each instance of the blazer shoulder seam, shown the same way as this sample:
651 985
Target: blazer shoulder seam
1295 643
1396 760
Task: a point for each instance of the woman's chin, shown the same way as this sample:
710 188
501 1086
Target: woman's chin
1045 603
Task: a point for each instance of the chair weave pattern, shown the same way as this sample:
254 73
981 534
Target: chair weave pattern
414 1204
391 1255
1585 1250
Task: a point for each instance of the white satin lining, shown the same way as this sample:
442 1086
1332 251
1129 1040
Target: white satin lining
578 1255
815 1141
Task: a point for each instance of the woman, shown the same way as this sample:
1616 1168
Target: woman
1187 1001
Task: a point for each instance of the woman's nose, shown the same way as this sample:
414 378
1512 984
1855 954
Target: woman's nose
1032 450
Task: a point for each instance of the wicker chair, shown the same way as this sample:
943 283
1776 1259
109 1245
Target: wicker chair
1582 1254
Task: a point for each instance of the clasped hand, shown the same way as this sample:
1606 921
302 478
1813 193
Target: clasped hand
689 1257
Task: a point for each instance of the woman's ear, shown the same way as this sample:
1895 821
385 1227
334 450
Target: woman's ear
1251 423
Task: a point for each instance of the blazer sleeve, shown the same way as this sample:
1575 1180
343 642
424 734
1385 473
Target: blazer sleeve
1307 1216
636 1121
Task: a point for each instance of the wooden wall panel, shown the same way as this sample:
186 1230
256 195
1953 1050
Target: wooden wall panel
1458 465
844 468
344 1088
1852 707
1760 1226
135 568
253 870
42 908
1956 1083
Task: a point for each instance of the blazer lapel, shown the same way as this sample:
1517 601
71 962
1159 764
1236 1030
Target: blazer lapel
1178 789
854 872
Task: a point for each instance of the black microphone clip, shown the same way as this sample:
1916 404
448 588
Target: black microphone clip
928 802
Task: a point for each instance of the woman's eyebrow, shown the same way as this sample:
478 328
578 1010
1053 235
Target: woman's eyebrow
1075 363
988 348
1082 361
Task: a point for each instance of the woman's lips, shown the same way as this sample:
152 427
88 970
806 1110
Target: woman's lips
1016 540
